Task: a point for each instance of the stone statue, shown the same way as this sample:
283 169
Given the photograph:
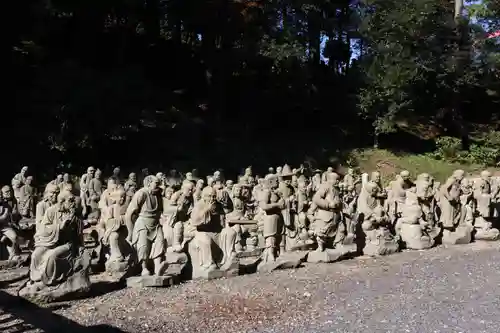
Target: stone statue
9 218
59 264
271 203
455 230
147 237
49 199
116 229
27 199
84 186
20 177
414 230
379 239
484 196
177 208
130 187
289 212
211 253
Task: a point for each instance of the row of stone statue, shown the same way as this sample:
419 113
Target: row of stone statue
207 228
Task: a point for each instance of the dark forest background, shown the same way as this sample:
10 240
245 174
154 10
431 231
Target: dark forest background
230 83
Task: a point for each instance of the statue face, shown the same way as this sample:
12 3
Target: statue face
66 178
98 174
52 195
168 193
209 196
60 178
116 171
6 193
91 171
29 180
154 186
24 170
111 184
237 191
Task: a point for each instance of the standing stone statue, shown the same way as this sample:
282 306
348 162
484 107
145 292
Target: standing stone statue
59 264
115 230
416 233
455 230
130 186
27 199
485 197
8 226
84 187
49 199
379 239
144 210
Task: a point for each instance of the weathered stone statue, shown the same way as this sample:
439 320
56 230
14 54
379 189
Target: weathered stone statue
177 208
27 199
21 176
9 217
328 226
467 201
397 197
59 264
302 222
200 185
210 256
130 187
147 237
115 230
484 196
49 199
289 212
426 198
414 230
379 239
455 230
84 187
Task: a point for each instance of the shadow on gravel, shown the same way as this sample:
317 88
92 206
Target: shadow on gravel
25 315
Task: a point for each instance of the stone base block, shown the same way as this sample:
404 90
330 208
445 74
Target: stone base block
331 255
286 260
149 281
76 286
230 269
461 235
382 249
492 234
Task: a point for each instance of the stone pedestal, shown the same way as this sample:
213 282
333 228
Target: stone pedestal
284 261
491 234
414 238
385 247
461 235
77 285
332 255
230 269
149 281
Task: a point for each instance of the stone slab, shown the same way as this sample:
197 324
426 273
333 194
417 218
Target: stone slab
331 255
287 260
152 281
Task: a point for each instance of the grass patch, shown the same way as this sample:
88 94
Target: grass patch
391 163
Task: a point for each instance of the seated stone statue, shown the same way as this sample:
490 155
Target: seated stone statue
379 239
484 196
210 252
412 227
59 264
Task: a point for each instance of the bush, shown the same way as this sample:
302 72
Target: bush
483 152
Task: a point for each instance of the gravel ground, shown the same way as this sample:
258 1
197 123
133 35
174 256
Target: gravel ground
453 289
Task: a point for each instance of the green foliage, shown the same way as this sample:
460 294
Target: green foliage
484 152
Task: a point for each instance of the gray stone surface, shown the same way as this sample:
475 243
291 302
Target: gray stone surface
149 281
452 289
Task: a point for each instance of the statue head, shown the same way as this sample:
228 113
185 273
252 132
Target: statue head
371 187
152 183
16 183
376 177
332 178
116 171
29 180
66 202
329 170
405 175
6 192
59 178
217 175
210 181
119 196
485 175
271 182
169 191
98 174
67 178
24 170
51 193
237 190
112 185
132 176
91 171
248 171
271 170
229 184
200 183
424 177
209 195
279 170
458 174
187 189
350 171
